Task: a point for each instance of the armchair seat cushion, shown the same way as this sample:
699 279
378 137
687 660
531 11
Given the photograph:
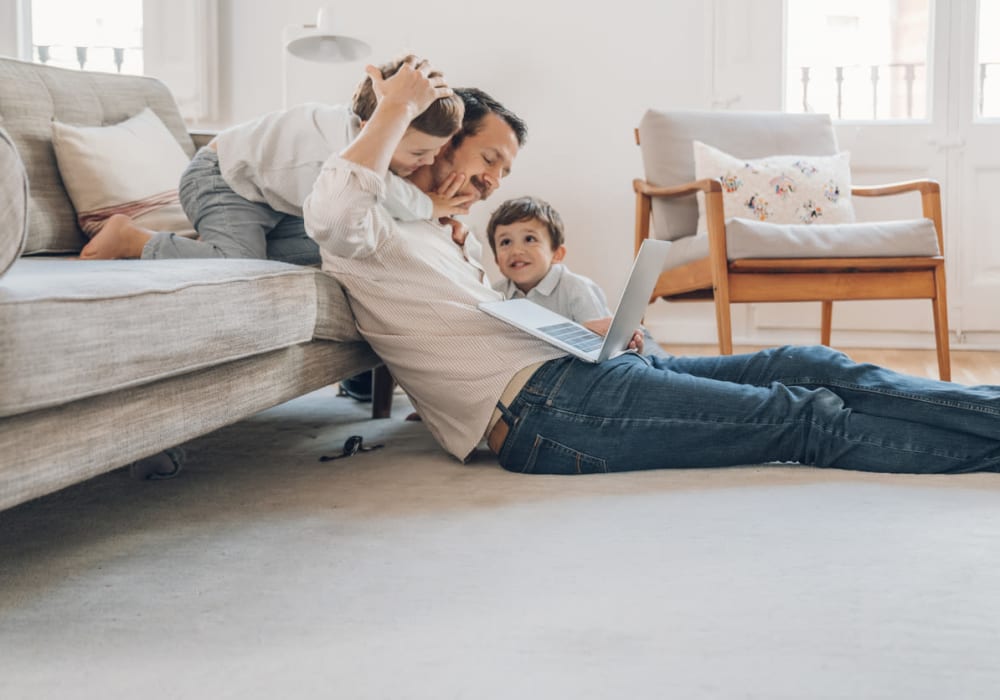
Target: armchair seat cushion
746 238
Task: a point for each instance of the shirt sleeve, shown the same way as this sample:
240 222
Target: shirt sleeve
342 212
405 201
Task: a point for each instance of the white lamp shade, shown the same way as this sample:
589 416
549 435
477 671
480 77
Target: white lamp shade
321 44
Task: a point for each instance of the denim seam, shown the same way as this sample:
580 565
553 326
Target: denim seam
821 383
585 418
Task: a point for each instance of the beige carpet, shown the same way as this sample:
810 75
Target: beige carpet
262 573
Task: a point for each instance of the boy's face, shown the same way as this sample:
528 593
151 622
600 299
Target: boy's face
415 150
524 252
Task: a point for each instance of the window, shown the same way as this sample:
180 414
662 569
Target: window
174 41
101 35
988 62
859 59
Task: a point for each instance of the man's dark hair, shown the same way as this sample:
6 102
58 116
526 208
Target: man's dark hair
442 118
478 105
525 209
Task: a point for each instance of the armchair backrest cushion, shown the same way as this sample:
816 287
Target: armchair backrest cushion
666 141
32 95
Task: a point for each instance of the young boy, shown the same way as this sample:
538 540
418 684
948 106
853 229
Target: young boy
526 236
244 191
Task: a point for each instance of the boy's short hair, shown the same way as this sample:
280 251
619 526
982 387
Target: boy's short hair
526 209
442 118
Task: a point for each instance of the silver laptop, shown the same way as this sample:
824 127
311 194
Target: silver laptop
577 340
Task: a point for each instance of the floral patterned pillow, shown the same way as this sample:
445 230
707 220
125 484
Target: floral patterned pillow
777 189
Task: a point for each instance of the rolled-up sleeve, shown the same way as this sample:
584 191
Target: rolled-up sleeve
342 212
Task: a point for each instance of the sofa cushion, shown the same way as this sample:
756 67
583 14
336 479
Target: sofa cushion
129 168
32 95
78 328
746 238
13 202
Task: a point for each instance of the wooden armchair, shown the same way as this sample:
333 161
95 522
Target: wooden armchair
727 269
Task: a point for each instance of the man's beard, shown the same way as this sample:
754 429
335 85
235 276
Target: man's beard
481 187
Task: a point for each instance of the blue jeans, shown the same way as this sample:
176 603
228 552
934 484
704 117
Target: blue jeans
230 226
810 405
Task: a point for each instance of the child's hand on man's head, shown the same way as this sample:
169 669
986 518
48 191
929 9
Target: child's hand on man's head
413 87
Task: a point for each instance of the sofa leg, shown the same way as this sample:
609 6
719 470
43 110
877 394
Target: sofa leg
382 387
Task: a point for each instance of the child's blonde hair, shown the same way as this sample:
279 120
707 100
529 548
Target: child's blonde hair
442 118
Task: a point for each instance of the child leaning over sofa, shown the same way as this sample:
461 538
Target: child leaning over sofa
527 239
243 193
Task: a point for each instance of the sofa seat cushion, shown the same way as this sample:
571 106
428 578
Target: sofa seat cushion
74 328
746 238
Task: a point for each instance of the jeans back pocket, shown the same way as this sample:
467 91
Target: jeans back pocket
551 457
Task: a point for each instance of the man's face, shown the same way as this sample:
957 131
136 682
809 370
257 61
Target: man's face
415 150
484 158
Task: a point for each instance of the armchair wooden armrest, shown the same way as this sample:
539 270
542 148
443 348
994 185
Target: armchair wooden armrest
688 188
644 192
930 199
921 186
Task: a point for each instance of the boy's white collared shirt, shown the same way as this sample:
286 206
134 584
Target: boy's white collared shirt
574 296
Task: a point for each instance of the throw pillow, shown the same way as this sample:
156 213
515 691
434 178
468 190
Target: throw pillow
13 202
129 168
781 189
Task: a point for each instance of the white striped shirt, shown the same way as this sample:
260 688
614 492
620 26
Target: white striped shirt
415 296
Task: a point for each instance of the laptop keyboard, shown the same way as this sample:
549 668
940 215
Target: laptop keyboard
572 334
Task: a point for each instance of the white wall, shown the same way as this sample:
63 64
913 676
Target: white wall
581 78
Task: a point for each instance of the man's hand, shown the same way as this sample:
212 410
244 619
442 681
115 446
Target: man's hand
637 343
447 201
601 325
459 232
412 87
598 325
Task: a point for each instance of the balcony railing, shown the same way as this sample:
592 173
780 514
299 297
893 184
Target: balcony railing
894 91
126 59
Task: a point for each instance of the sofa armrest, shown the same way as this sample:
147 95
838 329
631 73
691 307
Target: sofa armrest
201 137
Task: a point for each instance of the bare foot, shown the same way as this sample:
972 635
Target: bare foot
119 238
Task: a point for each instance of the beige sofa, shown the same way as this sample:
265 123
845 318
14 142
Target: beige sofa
103 363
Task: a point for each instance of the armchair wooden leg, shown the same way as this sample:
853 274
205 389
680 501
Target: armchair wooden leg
940 302
382 387
826 323
724 323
